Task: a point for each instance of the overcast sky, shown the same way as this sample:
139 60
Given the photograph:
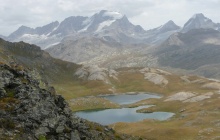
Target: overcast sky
147 13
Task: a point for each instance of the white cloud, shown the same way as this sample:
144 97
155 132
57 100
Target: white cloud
147 13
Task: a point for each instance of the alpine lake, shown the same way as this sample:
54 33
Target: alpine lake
111 116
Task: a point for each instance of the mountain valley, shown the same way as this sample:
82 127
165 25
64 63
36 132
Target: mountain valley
68 66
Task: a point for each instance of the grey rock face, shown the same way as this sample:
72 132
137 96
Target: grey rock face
69 26
81 50
47 28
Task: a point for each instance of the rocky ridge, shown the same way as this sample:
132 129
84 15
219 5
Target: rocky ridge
31 113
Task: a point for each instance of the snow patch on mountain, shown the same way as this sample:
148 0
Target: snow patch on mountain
115 15
104 24
87 21
51 45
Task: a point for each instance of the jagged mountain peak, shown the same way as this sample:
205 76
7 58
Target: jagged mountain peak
198 21
20 31
105 15
113 14
168 26
170 22
198 15
71 18
23 27
100 20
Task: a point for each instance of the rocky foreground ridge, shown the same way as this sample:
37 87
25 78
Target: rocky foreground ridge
29 112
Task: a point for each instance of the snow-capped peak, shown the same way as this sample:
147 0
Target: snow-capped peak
100 20
113 14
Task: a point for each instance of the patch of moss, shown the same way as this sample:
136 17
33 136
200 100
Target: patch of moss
42 137
10 92
7 123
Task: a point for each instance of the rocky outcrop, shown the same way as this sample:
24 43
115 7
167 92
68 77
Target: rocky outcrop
95 73
212 85
155 76
189 97
180 96
200 97
28 112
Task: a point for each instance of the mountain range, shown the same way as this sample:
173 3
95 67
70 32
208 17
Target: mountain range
106 25
109 39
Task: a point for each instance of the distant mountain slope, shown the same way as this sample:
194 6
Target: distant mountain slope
169 26
44 30
33 57
82 49
158 35
69 25
38 36
191 50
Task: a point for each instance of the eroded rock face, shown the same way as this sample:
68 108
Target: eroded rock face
28 112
